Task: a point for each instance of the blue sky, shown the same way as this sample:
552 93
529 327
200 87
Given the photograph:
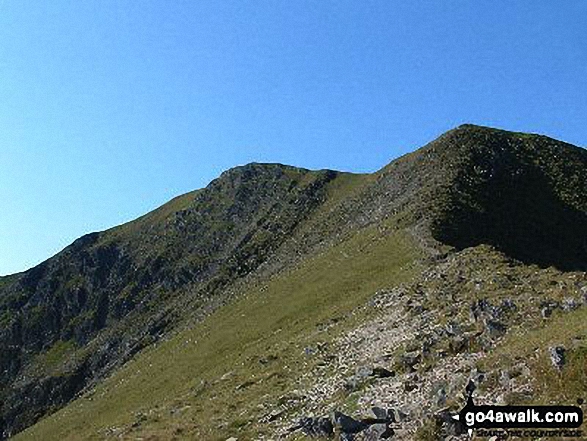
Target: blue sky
110 108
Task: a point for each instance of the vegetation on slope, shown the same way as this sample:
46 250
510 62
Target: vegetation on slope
113 293
207 382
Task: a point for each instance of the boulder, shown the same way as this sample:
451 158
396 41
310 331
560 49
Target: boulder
316 427
557 356
570 304
495 328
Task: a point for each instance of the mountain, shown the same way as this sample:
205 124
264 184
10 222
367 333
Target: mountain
239 308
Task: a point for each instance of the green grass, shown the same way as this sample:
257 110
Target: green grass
176 386
531 345
59 352
549 385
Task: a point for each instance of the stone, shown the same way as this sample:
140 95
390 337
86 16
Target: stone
315 427
409 360
557 356
410 386
347 424
440 397
495 329
569 304
381 372
508 305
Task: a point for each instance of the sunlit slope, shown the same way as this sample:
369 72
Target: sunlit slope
73 319
179 387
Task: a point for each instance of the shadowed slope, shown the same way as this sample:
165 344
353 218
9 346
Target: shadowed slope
524 194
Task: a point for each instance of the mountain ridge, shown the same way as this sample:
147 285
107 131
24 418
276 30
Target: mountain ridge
111 294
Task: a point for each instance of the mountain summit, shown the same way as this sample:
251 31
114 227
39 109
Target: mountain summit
150 326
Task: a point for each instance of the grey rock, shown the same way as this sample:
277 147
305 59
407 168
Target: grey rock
315 427
557 356
570 304
364 372
495 328
409 360
347 424
508 305
381 372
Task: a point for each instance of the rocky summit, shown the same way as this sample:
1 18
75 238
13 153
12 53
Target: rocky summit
284 303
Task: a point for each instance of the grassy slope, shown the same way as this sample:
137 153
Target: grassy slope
173 388
550 385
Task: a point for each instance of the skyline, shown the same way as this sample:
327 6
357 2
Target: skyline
109 110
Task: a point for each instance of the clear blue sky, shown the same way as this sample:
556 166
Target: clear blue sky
110 108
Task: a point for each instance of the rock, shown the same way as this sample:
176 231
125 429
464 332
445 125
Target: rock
569 304
410 386
557 356
384 414
547 307
453 328
481 309
315 427
246 384
381 372
226 376
402 416
508 305
440 397
495 329
470 388
268 359
409 360
352 384
363 374
347 424
232 438
272 416
477 375
504 379
458 344
377 432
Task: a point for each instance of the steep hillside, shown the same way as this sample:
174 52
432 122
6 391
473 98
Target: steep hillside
249 304
109 294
